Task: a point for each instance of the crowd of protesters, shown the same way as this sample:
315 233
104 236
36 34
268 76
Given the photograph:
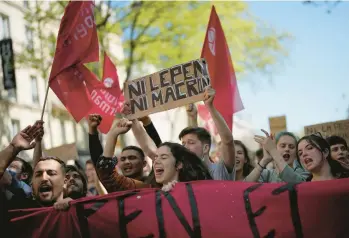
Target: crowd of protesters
50 182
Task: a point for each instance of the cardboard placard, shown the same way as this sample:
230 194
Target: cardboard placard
277 124
64 152
338 128
167 89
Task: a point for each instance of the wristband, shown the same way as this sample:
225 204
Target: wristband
261 166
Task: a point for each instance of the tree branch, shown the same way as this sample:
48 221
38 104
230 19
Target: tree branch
132 45
105 20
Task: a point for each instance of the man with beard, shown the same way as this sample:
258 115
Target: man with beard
47 185
76 185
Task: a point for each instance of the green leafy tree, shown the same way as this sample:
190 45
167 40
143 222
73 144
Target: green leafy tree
160 34
163 34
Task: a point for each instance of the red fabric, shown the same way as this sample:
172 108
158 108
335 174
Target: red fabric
217 208
106 96
206 116
77 41
216 52
70 88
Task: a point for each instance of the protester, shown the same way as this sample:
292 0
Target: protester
21 173
314 154
282 152
76 184
198 140
91 175
339 150
131 161
243 165
258 157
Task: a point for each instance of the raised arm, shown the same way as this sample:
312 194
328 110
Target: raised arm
255 175
22 141
192 113
151 130
227 140
121 127
37 154
145 142
95 146
286 173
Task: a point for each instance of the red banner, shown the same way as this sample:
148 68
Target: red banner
200 209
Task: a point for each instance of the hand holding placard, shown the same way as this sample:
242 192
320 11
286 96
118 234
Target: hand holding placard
167 89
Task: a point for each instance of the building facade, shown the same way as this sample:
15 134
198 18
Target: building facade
23 106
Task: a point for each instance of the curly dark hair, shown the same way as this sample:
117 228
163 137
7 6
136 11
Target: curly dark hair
193 167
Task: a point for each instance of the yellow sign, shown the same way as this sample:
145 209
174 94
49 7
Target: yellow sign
277 124
338 128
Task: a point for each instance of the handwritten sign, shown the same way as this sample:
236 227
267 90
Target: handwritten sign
167 89
277 124
244 210
338 128
8 64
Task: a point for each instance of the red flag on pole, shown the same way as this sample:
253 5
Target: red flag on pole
106 96
216 52
77 43
70 88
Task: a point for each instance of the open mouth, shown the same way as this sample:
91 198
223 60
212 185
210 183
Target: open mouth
307 161
341 158
45 190
158 171
127 169
286 156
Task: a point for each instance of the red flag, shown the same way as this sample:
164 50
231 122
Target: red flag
77 44
216 52
205 115
77 41
106 96
70 88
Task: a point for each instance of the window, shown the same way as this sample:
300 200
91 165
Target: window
10 94
30 39
15 127
26 4
35 94
4 27
63 132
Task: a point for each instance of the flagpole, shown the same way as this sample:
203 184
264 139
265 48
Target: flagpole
44 106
